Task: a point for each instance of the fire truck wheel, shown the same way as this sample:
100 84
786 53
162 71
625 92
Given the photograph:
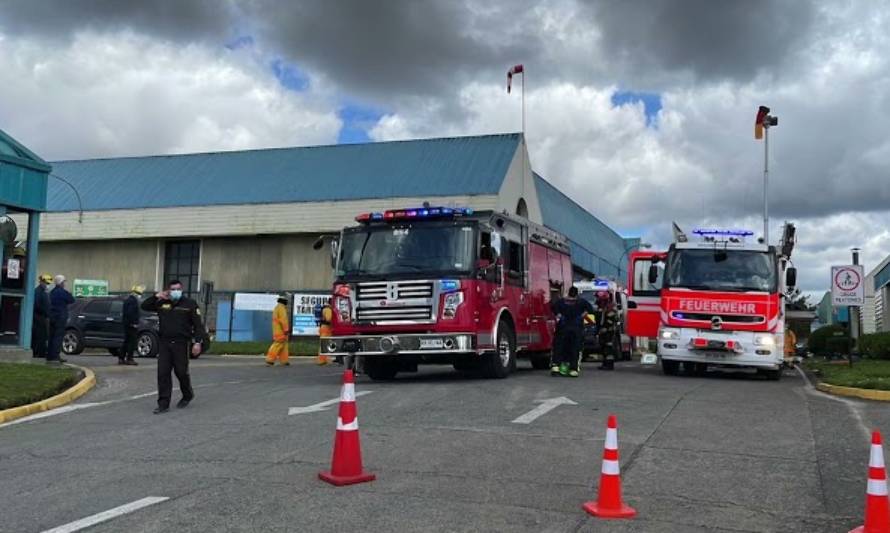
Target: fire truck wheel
671 368
499 364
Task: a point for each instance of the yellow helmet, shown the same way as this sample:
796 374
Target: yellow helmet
46 278
138 289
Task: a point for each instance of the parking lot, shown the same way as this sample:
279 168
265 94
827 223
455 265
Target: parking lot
725 452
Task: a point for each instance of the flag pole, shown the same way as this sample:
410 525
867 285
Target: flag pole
766 185
524 140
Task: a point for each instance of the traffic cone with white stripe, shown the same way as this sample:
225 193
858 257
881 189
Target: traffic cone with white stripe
346 465
877 505
609 503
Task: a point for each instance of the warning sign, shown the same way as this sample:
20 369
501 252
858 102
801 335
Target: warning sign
847 286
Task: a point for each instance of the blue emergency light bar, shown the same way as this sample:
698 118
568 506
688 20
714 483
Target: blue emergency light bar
723 232
415 213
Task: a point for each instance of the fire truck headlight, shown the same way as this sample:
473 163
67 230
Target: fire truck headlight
764 340
343 308
667 334
450 303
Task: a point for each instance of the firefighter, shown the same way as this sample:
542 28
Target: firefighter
607 323
280 334
131 318
180 327
40 326
324 318
790 346
570 312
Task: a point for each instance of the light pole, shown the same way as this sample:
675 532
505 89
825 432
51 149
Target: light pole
762 125
853 314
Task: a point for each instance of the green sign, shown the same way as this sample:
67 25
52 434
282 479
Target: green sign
90 287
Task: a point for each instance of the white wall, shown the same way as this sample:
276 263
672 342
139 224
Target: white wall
520 183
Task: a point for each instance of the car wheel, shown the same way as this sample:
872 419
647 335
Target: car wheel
502 362
72 342
147 344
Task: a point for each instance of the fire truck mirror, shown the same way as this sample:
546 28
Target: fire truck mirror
653 273
791 277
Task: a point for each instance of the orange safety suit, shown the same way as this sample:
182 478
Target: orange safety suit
790 344
280 335
324 330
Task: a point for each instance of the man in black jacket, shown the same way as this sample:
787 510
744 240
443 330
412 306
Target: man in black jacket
40 326
181 331
570 313
131 326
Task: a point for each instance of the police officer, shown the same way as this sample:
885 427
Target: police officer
607 325
180 326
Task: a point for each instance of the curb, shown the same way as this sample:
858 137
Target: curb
63 398
853 392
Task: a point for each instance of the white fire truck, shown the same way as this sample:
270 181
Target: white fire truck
716 297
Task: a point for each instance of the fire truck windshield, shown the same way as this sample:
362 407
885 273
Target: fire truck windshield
428 249
721 270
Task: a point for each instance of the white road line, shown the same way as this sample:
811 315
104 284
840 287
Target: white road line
321 406
105 516
541 410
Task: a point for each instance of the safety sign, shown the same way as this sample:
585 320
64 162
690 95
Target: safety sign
847 286
90 287
304 313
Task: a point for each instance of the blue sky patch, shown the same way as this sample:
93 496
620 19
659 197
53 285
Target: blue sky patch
357 121
289 76
651 103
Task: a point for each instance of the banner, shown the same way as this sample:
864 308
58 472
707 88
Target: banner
847 286
304 313
246 301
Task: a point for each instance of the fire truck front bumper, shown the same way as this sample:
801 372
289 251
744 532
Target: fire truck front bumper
396 344
737 348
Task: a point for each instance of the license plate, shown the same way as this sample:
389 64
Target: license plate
427 344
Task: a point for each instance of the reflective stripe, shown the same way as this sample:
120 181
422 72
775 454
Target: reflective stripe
611 468
877 487
352 426
347 394
877 456
611 439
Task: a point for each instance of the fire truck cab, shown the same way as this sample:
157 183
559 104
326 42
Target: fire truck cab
713 299
441 285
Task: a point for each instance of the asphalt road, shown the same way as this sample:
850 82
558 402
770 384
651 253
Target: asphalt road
725 452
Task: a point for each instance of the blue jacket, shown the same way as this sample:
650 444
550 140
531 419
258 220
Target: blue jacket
41 301
59 300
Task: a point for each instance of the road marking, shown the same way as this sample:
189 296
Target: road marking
322 406
541 410
105 516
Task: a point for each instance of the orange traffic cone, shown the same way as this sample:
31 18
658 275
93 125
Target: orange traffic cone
346 465
877 505
609 504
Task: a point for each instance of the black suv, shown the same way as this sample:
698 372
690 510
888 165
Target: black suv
97 322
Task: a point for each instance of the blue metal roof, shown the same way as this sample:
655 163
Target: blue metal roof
428 167
596 248
22 176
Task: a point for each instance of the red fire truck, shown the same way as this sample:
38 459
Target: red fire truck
713 299
441 285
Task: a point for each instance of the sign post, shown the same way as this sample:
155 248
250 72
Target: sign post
848 289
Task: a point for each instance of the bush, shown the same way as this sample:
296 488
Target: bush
875 345
824 342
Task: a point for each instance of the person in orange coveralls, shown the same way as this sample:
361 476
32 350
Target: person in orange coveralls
280 334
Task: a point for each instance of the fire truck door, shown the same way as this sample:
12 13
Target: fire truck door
644 296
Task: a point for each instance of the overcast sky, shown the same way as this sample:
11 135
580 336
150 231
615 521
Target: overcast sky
641 110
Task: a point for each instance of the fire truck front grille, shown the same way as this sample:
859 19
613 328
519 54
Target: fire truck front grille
394 314
394 290
727 319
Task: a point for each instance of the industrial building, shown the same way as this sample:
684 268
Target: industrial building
875 314
246 220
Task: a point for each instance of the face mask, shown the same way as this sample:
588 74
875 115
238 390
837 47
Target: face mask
176 294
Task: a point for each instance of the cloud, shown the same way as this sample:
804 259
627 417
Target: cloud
122 93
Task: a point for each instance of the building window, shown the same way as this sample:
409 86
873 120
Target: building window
181 262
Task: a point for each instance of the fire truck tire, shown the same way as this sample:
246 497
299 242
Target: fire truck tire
380 370
502 361
541 361
670 368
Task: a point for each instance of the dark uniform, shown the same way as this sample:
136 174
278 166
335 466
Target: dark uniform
570 330
59 300
607 325
131 328
180 324
40 327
